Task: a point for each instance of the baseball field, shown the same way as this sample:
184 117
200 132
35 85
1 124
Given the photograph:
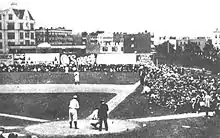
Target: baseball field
37 104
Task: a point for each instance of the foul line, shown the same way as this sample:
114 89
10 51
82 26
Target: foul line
169 117
23 117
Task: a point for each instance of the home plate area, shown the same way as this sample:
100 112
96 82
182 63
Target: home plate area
61 128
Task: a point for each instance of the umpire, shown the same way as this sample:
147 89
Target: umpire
103 115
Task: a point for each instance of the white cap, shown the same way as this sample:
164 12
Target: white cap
75 96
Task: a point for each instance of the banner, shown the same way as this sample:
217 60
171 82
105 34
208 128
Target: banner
116 59
6 59
19 58
38 58
145 59
71 59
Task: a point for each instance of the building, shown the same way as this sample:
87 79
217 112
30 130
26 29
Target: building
16 28
160 40
200 41
108 45
102 42
54 36
137 43
216 38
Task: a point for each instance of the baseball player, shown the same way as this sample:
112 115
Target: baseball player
73 107
207 99
66 69
103 115
94 116
76 77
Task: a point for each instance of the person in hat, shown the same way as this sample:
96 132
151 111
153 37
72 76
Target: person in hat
76 77
73 107
1 132
103 115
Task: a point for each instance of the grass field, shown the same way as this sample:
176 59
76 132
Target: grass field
52 106
62 78
47 106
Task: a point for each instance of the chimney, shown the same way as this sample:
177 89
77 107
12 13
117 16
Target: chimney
14 5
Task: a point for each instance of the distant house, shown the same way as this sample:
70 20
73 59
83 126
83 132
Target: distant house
216 38
16 29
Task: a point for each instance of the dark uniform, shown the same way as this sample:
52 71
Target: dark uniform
1 132
103 115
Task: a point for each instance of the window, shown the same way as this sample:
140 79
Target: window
11 35
11 26
114 49
32 26
27 25
122 48
0 35
32 35
105 48
11 43
27 42
21 26
1 47
21 43
215 36
21 35
0 17
32 43
27 35
0 26
10 17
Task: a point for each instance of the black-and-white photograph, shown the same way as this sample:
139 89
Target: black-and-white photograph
109 69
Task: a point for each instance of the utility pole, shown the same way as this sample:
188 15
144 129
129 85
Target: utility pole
5 44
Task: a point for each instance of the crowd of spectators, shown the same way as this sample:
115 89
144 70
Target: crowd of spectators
72 68
181 89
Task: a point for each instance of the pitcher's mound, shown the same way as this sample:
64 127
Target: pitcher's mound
61 128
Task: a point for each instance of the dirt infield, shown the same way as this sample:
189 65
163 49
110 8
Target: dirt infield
61 128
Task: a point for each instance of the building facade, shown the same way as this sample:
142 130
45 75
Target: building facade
54 36
160 40
216 38
137 43
108 45
200 41
16 28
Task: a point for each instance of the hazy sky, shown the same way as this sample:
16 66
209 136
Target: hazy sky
163 17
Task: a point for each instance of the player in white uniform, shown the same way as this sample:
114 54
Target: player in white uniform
95 119
73 107
76 77
207 99
66 69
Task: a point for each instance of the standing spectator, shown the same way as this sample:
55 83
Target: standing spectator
73 107
141 75
103 115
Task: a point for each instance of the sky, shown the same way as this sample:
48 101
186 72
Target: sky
161 17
